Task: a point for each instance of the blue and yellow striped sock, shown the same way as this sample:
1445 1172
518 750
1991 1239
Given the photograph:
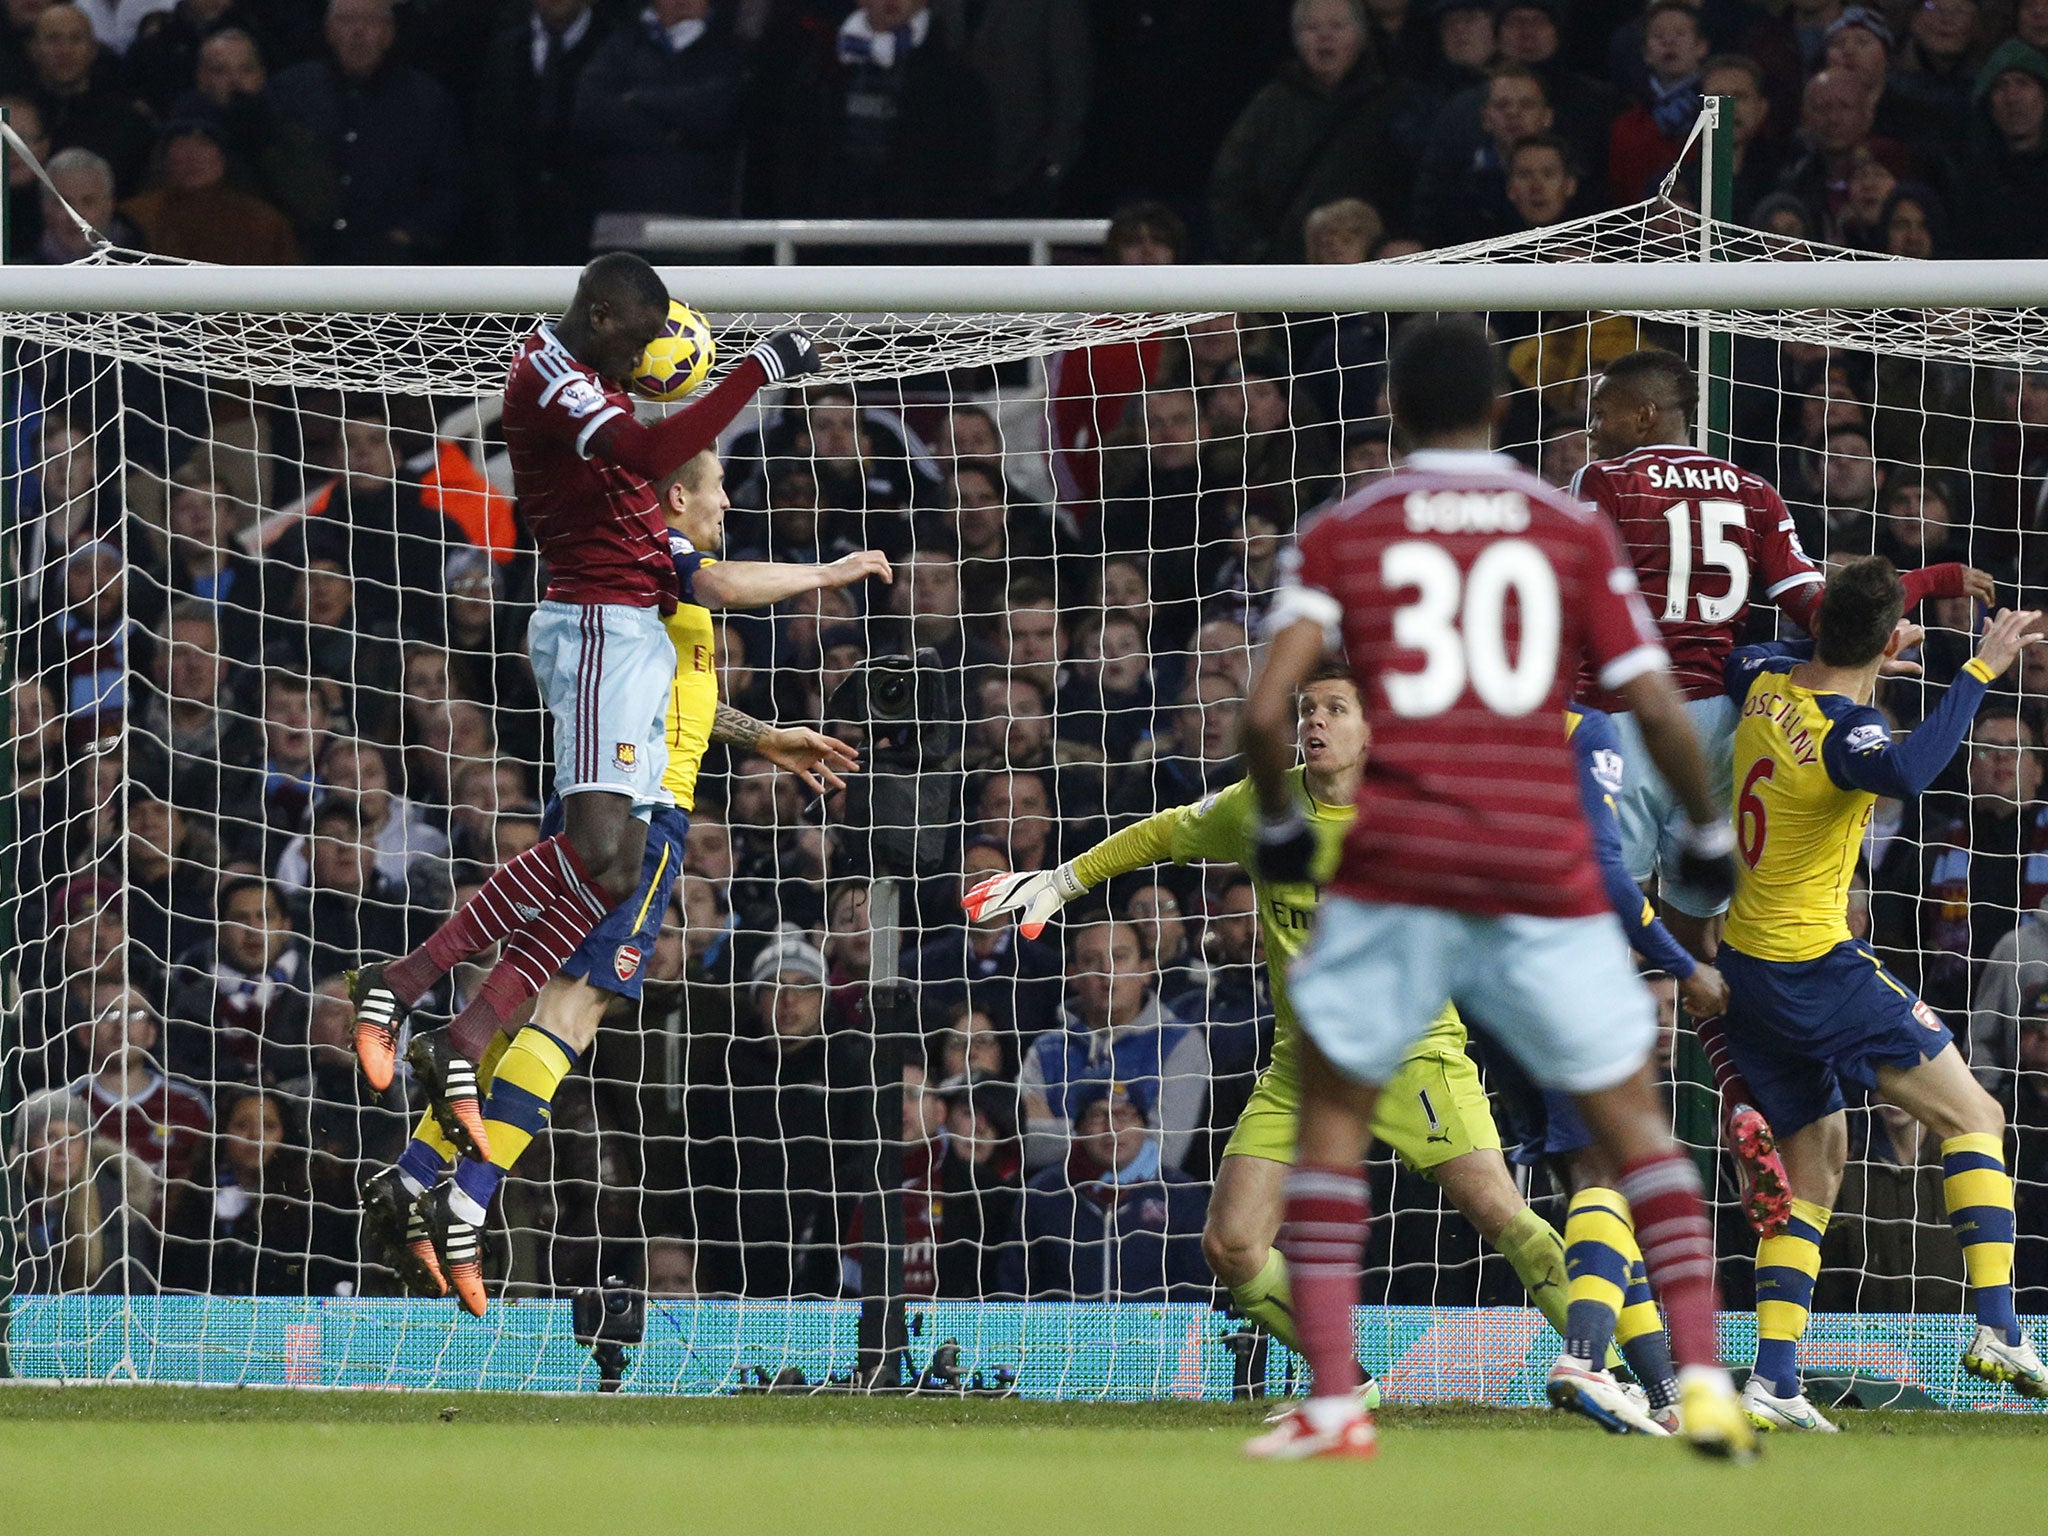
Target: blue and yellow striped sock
423 1163
1786 1267
1978 1192
430 1154
1640 1333
1598 1241
516 1108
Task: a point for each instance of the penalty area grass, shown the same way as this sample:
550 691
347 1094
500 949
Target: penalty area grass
165 1461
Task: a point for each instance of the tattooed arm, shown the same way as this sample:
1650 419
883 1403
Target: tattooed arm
812 756
736 726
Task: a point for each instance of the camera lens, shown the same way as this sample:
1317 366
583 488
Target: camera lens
890 695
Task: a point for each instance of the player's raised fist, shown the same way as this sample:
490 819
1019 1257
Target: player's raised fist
2009 632
1706 859
788 355
1034 897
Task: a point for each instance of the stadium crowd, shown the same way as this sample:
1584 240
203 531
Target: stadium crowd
273 715
495 130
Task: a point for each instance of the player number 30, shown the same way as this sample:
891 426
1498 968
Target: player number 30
1458 621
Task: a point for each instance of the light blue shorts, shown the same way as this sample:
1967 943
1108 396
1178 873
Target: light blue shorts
1652 818
1559 992
606 672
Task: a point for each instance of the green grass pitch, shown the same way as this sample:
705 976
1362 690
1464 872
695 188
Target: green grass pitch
163 1461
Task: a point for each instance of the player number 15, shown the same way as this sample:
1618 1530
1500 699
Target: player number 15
1717 550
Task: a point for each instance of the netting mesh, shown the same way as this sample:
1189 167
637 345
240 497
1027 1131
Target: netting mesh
272 716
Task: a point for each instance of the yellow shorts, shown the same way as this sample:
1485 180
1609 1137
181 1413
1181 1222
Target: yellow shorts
1432 1110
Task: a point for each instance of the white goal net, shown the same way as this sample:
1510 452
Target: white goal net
270 715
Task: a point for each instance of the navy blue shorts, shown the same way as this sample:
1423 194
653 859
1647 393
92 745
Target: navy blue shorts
1541 1123
1798 1029
615 955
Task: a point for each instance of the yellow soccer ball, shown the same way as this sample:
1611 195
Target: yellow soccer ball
679 357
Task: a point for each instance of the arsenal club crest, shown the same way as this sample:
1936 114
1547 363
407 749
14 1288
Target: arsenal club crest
625 961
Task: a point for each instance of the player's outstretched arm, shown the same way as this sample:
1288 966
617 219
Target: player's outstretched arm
1951 578
1035 896
655 452
812 756
1868 758
759 583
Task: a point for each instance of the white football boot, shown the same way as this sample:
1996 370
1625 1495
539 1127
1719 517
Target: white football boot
1577 1388
1990 1358
1795 1413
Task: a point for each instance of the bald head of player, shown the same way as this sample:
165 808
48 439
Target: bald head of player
620 305
1443 382
1642 397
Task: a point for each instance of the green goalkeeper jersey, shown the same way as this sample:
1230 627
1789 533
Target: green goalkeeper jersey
1224 827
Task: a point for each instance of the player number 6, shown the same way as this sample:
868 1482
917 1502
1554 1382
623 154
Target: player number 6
1751 823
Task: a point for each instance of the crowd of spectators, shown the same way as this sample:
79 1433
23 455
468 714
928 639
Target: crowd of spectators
497 130
272 714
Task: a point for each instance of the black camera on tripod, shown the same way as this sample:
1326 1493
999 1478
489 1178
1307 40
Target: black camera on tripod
608 1318
897 810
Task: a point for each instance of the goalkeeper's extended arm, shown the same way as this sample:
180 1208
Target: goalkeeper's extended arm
658 451
1036 896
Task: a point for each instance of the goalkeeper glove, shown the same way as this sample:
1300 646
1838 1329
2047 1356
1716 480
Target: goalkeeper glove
1036 896
788 355
1706 859
1286 849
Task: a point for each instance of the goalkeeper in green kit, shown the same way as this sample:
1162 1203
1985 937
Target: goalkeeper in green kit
1433 1113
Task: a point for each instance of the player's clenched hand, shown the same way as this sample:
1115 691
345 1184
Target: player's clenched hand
812 756
1978 584
1034 897
1704 992
859 566
1285 850
788 355
2009 633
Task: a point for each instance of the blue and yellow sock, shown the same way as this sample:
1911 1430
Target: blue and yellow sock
1978 1193
430 1154
1787 1265
523 1086
426 1158
1640 1333
1598 1242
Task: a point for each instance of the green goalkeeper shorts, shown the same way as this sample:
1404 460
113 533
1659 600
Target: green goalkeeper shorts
1432 1110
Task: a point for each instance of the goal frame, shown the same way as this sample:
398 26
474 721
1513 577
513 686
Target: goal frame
1409 286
